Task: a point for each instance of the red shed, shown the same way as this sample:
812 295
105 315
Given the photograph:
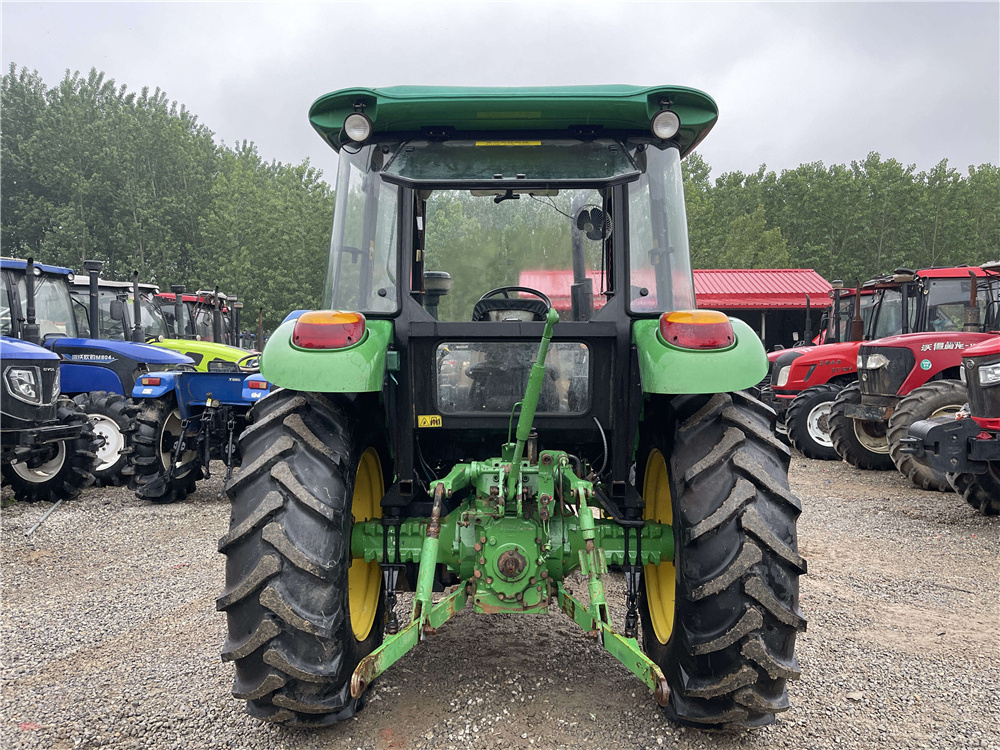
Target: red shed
756 288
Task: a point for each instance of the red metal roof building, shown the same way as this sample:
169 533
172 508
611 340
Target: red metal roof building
756 288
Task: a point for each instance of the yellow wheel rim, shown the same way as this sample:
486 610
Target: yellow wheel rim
661 580
364 579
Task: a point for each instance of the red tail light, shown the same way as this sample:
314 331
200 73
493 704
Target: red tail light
697 329
260 385
328 329
150 381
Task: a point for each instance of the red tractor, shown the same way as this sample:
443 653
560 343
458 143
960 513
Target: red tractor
805 380
967 449
909 377
205 315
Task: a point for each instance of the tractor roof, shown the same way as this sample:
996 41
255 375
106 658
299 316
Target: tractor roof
560 111
21 264
205 298
84 281
951 272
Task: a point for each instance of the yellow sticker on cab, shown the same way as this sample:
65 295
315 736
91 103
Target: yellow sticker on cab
508 143
428 420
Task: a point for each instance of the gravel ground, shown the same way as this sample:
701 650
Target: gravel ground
110 638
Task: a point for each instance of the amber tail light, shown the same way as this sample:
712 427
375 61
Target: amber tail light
328 329
697 329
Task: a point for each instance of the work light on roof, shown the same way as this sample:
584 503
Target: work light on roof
666 124
358 127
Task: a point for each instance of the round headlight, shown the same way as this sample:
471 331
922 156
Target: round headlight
666 124
357 127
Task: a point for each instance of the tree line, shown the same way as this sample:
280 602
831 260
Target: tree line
89 169
847 222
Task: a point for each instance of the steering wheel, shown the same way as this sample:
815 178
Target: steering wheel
489 303
250 362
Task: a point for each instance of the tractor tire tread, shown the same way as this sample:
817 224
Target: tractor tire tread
921 403
290 503
981 491
845 441
796 421
734 517
75 474
263 633
145 459
122 413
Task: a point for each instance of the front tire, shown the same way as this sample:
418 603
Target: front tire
111 416
158 426
301 612
721 619
66 472
808 422
981 491
935 399
862 444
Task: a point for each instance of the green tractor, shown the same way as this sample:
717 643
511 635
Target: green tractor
445 428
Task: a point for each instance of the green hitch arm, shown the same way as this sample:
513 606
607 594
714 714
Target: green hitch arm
427 616
428 560
534 390
395 647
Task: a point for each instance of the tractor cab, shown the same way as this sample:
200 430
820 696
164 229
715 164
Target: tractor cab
119 304
204 315
116 304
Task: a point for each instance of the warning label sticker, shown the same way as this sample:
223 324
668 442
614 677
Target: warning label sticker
428 420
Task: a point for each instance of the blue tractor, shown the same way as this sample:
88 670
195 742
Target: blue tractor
98 374
186 419
48 444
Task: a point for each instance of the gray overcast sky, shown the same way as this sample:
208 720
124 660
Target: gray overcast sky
795 82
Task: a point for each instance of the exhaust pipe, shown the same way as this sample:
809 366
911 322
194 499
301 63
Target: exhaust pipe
216 317
178 290
93 269
237 333
857 324
137 334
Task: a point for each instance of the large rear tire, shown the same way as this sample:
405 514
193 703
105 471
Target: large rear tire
66 472
158 426
808 422
981 491
111 415
301 612
861 444
721 619
937 399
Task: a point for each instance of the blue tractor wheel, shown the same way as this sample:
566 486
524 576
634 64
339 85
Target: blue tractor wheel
158 427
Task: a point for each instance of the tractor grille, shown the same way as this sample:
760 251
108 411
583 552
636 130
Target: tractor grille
984 401
886 380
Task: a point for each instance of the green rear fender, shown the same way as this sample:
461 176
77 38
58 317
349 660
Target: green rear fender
669 369
355 369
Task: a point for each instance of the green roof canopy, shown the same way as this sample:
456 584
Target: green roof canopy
410 110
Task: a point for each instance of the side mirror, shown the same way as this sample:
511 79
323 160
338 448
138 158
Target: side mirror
117 310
